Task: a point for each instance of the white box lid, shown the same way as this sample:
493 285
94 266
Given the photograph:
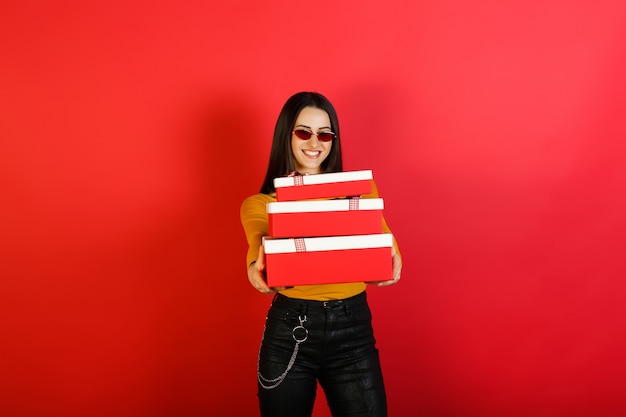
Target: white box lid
316 244
325 178
312 206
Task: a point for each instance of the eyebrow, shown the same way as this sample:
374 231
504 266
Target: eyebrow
309 127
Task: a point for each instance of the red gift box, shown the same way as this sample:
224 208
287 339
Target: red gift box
351 216
328 185
326 260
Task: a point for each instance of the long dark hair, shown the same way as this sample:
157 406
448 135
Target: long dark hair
281 158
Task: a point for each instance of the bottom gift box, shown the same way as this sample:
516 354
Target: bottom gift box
328 260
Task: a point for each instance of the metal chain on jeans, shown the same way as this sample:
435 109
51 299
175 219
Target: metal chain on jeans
273 383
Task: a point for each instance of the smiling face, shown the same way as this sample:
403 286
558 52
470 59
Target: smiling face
309 154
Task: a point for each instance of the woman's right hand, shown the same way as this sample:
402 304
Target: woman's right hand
256 275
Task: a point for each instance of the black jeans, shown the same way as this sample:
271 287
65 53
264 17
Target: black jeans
334 344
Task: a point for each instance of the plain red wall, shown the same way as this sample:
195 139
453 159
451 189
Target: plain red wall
132 131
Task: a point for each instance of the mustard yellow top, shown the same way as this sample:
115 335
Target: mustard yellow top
254 220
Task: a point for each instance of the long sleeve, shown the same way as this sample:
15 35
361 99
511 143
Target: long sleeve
253 214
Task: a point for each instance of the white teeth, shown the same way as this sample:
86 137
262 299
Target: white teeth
312 153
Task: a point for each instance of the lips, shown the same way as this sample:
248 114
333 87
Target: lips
312 154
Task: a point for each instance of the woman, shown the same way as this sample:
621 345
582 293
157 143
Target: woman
313 333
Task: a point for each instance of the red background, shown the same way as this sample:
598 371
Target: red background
132 131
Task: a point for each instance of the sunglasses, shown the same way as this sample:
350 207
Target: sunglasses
321 136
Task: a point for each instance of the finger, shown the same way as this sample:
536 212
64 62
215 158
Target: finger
392 281
263 288
397 273
260 261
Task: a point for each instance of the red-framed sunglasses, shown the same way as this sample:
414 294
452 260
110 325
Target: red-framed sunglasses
321 136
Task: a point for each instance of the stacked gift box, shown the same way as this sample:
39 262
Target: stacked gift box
321 231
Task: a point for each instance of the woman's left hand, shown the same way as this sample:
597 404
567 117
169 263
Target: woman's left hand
396 269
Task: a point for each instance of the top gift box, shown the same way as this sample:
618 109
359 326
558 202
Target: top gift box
328 185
